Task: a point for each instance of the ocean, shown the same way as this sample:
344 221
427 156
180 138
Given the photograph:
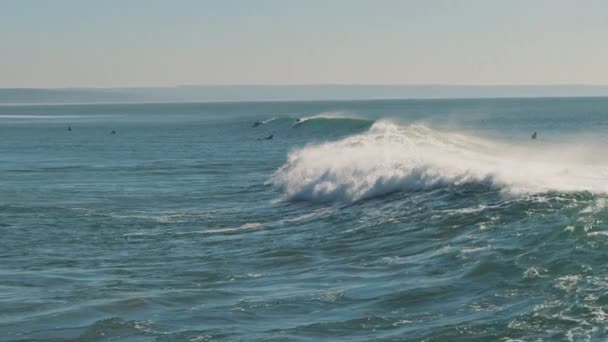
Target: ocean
400 220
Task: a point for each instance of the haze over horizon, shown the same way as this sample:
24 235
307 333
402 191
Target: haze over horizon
255 93
136 43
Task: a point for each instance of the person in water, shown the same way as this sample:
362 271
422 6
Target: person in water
69 128
113 132
256 124
268 137
534 136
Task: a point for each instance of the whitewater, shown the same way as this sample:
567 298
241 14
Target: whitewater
390 157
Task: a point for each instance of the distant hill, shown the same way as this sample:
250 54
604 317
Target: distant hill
229 93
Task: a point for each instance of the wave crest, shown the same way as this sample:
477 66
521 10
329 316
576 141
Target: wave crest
390 158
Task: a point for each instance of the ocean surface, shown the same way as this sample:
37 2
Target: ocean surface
413 220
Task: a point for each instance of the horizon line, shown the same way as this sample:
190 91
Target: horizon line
489 85
489 98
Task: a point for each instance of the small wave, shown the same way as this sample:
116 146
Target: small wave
162 217
391 158
308 216
330 116
467 210
269 120
156 232
246 226
275 119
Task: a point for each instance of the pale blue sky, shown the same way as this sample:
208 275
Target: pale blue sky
69 43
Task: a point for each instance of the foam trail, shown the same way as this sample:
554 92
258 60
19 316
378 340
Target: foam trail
269 120
326 115
389 158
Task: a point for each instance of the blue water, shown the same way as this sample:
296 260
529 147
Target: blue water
434 220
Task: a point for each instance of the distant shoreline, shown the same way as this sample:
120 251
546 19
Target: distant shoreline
288 93
244 102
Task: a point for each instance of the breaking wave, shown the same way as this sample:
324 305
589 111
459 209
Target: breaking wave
390 158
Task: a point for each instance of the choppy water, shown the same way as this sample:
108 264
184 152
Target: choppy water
379 220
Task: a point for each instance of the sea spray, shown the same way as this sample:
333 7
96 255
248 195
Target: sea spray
390 158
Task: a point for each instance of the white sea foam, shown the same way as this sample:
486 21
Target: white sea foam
390 158
469 250
246 226
269 120
326 115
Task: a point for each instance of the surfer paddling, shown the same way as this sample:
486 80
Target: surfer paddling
268 137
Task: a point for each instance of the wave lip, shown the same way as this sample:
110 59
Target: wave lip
393 158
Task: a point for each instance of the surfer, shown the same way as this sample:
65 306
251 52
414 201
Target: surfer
69 128
268 137
256 124
534 136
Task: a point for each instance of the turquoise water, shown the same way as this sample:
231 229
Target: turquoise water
435 220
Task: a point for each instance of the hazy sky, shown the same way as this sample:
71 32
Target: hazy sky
63 43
